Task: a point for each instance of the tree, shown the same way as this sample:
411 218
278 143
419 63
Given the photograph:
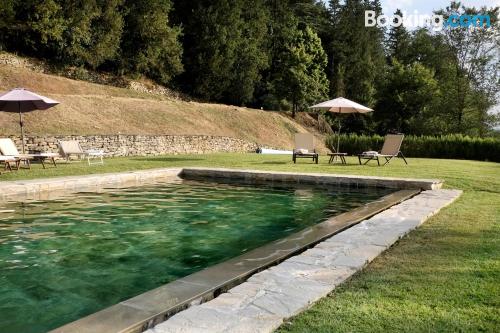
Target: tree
398 42
475 50
251 56
93 31
149 44
356 51
408 93
35 27
84 33
224 43
303 66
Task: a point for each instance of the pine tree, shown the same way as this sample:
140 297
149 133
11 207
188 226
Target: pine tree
251 53
303 80
356 51
398 42
93 31
150 45
224 43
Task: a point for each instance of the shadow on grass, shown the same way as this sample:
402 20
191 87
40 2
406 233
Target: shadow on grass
271 162
168 159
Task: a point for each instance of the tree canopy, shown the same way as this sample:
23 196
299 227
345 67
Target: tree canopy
278 55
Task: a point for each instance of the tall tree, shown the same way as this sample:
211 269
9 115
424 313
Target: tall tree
356 51
85 32
7 18
251 53
477 64
150 45
33 27
224 43
408 93
304 80
398 41
93 31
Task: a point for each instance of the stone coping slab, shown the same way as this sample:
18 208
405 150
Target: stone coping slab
313 178
148 309
48 188
267 298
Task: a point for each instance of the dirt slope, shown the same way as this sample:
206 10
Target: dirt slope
88 108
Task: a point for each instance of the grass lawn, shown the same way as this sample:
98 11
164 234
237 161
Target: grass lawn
445 276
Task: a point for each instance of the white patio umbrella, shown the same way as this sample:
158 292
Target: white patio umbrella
22 100
341 105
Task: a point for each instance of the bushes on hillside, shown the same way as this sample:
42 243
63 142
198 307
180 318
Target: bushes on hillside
445 146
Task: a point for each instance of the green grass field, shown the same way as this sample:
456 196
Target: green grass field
445 276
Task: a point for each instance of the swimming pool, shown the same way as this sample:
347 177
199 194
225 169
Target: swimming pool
66 258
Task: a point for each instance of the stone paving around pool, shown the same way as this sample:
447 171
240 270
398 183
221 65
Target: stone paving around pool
267 298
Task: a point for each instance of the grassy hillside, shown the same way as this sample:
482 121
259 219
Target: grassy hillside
88 108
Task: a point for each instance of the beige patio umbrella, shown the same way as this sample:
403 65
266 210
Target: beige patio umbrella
20 100
341 105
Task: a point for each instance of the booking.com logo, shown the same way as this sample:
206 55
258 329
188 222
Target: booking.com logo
436 22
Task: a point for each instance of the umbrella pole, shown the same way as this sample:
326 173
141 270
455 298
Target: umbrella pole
338 138
21 123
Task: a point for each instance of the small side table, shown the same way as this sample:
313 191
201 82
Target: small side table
95 154
341 155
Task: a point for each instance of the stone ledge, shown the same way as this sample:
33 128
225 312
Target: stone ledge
313 178
45 189
50 188
267 298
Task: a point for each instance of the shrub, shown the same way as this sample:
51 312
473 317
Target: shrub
453 146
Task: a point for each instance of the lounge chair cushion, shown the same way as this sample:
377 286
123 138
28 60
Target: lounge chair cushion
302 151
370 153
7 147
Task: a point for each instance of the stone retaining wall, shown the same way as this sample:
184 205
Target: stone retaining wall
141 145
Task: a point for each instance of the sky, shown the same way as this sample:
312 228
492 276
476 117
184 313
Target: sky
427 6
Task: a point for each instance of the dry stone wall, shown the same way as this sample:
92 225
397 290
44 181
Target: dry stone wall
141 145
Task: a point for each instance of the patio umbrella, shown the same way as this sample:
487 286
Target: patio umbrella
22 100
341 105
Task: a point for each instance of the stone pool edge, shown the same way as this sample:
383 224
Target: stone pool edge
41 189
313 178
153 307
45 188
268 298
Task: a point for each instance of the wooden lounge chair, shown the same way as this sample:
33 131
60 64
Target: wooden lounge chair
8 161
304 147
73 147
390 149
8 148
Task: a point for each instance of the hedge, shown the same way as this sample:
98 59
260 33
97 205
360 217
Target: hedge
453 146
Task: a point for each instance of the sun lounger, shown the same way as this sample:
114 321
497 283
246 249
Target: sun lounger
390 149
8 148
73 147
8 161
304 147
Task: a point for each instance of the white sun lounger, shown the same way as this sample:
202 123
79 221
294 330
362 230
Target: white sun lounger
73 147
8 148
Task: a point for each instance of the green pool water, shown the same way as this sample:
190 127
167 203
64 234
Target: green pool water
63 259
